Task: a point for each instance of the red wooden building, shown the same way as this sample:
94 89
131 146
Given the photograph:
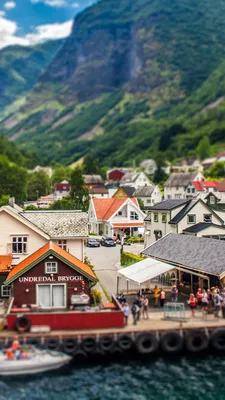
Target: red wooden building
115 175
47 286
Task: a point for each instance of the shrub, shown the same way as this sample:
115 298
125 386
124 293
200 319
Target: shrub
96 296
127 259
135 240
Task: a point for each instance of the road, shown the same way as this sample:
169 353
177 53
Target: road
106 261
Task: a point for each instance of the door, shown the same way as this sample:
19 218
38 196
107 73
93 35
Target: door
58 296
44 296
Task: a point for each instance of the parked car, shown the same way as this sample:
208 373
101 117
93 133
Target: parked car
93 243
108 242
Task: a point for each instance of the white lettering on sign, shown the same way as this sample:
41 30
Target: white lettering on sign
35 279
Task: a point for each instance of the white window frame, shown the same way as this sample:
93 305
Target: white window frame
46 267
62 243
133 216
212 198
156 217
188 220
164 215
210 219
9 290
51 286
23 242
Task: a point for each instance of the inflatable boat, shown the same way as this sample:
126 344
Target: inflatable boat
36 361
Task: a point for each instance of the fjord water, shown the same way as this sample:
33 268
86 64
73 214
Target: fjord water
177 379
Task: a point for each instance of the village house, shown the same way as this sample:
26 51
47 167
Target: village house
149 166
149 195
96 186
175 185
124 191
188 165
199 261
61 190
135 179
49 278
23 232
200 188
115 216
178 215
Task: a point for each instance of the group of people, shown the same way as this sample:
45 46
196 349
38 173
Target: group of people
139 308
16 351
212 300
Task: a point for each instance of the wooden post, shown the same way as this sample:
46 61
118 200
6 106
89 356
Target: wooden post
118 284
191 283
127 286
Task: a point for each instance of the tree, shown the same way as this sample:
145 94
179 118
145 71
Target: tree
217 170
160 175
13 180
65 204
38 185
79 192
4 200
91 166
203 149
60 174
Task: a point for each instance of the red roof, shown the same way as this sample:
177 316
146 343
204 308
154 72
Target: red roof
98 190
41 252
5 262
105 208
200 185
62 187
221 187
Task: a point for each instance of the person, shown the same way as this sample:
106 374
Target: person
210 299
134 311
204 300
139 302
162 297
15 344
192 302
199 297
126 310
174 293
145 307
156 293
217 302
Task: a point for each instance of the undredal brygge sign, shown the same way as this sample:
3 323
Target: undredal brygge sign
38 279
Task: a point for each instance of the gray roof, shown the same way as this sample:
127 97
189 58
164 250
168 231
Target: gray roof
180 179
129 177
93 179
200 226
184 211
59 224
202 254
144 191
169 204
129 190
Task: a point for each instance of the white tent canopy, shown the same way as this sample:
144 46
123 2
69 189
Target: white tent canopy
145 270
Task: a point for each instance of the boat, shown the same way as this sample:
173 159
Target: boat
36 361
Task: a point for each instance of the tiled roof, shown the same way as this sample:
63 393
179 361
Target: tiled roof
98 190
59 224
221 187
183 212
169 204
129 190
5 262
128 225
144 191
105 208
51 247
180 179
93 179
200 226
129 177
200 185
202 254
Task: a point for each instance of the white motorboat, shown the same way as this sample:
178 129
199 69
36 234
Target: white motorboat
37 361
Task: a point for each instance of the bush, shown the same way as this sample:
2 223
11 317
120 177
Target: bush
135 240
96 296
127 259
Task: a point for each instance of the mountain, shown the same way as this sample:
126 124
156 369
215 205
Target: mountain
20 67
133 78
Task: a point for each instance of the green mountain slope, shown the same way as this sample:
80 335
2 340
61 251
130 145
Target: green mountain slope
133 78
20 68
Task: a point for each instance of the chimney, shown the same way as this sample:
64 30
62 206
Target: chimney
12 202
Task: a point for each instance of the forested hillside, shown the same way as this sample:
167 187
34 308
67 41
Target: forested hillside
133 78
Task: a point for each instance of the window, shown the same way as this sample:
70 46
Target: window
189 190
51 296
177 196
5 291
158 235
193 190
212 200
191 218
156 217
134 216
120 213
164 219
148 201
207 217
19 244
62 244
51 267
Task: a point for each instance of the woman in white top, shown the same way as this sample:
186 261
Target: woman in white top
204 300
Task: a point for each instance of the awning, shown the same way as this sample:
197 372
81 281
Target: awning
128 225
145 270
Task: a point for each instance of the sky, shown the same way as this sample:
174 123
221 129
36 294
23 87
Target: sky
27 22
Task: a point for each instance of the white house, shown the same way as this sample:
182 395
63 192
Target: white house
61 190
149 195
135 179
115 216
200 188
149 166
24 232
175 185
176 216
